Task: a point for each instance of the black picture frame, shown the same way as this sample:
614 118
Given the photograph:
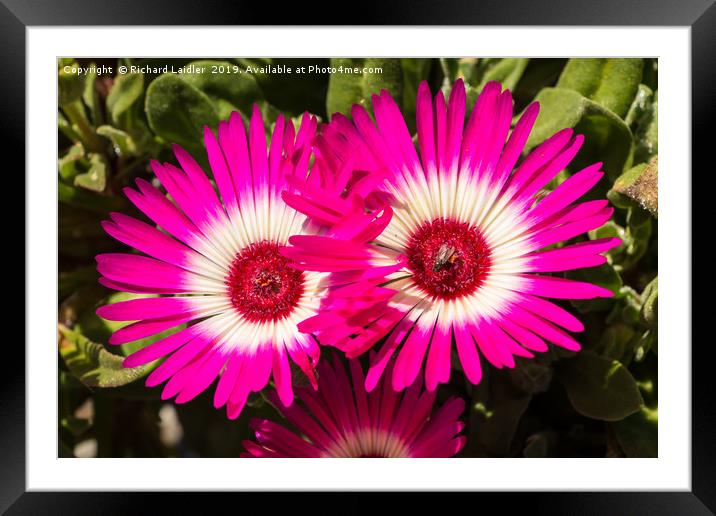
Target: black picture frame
17 15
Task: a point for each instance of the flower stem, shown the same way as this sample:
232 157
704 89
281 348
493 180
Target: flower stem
78 119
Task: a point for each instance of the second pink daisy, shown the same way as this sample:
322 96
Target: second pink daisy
465 257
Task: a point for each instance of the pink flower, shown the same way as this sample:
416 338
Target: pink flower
220 254
342 420
466 240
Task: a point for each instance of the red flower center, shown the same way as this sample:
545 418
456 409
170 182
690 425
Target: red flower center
262 286
449 259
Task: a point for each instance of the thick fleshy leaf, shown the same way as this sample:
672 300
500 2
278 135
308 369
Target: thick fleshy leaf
612 83
497 409
617 342
414 71
95 179
600 388
70 84
646 133
382 74
344 89
539 73
506 71
177 112
122 142
650 298
90 95
640 184
639 106
356 80
67 164
604 276
65 127
530 376
607 138
93 364
100 329
478 72
224 82
638 434
126 90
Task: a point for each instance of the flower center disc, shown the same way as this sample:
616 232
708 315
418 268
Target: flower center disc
368 443
449 259
262 286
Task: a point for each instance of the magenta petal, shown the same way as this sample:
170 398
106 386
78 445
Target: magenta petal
467 352
145 308
282 376
159 348
146 328
437 368
411 355
562 288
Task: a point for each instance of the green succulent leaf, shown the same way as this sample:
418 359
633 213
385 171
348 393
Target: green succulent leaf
344 89
355 86
641 185
65 127
224 83
531 377
99 329
539 74
414 72
478 72
612 83
640 107
95 179
646 133
638 434
605 276
650 308
610 230
70 85
389 78
123 143
607 137
177 112
498 407
126 90
91 97
506 71
67 164
599 387
453 68
617 341
93 364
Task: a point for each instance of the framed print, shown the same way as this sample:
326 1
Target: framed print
429 240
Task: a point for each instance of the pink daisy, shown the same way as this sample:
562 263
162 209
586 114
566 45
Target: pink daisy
342 420
220 255
469 234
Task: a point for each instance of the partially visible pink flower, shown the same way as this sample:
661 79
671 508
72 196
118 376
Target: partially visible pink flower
220 255
468 240
342 420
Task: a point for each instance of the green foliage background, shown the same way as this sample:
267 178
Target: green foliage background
599 402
